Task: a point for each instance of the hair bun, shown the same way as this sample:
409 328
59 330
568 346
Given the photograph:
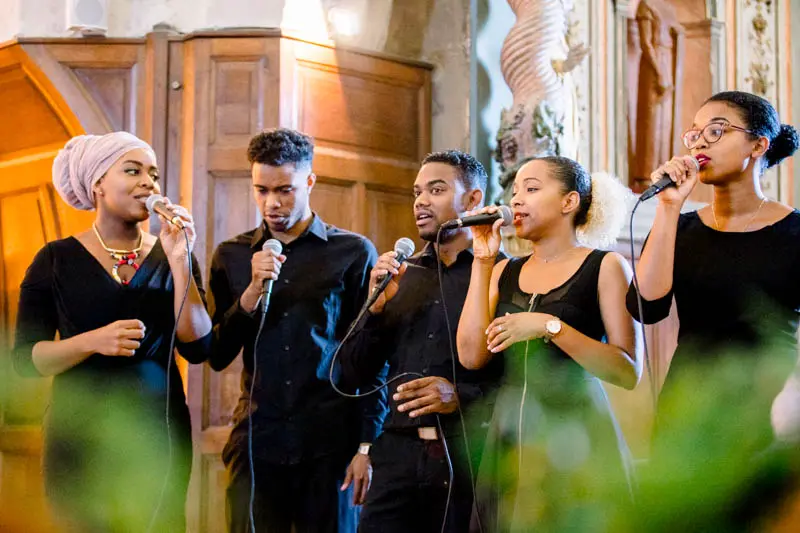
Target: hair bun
783 145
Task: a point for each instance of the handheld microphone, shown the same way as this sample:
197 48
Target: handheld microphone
404 248
155 204
276 247
503 212
661 184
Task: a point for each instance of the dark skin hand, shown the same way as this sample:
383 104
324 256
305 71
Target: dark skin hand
428 395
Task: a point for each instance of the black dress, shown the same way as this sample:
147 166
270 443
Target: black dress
738 299
555 457
106 454
715 464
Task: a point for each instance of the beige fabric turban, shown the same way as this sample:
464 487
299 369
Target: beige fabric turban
85 159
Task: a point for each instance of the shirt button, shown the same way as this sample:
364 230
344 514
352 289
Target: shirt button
437 302
286 281
425 371
430 335
288 382
285 314
286 348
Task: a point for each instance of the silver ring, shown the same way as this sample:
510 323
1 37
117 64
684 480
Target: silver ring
499 328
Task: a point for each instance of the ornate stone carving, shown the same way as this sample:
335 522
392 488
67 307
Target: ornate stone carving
764 40
762 49
536 61
659 87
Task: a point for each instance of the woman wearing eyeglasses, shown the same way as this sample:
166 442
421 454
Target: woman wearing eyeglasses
733 268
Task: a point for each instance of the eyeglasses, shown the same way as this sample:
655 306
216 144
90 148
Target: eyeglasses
711 133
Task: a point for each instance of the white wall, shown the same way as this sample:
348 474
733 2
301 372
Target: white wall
134 18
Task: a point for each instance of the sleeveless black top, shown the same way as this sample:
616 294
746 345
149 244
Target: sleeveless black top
552 419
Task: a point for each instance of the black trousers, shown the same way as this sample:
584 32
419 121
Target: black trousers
410 485
305 496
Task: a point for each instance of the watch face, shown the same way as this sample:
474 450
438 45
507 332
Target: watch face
553 326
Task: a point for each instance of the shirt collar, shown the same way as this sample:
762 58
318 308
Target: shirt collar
316 228
428 255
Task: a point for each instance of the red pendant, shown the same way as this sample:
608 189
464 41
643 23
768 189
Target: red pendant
127 259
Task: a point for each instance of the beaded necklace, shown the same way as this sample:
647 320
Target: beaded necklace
122 257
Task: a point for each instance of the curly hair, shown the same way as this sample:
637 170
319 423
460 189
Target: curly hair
611 201
760 117
281 146
470 170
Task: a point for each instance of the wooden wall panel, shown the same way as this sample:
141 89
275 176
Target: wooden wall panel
112 74
363 113
28 120
114 90
396 206
335 201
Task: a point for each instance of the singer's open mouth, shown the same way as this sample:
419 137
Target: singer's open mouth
423 217
702 159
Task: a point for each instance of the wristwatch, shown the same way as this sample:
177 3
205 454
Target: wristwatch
553 328
363 448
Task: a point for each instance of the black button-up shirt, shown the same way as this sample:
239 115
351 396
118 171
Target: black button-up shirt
412 335
323 283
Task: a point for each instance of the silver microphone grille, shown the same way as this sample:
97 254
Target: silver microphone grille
274 245
506 213
405 247
151 201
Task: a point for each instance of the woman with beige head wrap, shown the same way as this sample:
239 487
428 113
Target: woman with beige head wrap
112 295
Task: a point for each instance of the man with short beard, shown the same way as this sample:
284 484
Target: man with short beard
407 327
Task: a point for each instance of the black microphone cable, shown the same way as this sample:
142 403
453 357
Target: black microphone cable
263 304
250 458
453 356
350 330
171 356
648 364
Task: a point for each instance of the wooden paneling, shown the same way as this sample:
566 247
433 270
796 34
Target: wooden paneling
113 76
363 113
28 120
231 205
395 206
114 91
336 200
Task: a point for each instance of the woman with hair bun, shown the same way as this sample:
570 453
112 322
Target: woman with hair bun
732 266
733 270
558 318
